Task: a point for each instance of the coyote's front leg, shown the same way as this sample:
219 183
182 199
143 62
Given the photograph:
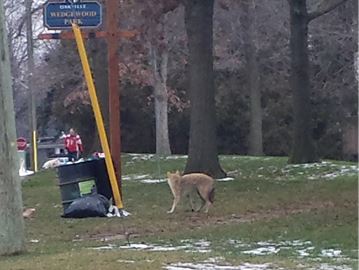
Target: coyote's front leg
176 199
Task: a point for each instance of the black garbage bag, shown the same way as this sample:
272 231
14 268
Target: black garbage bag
94 205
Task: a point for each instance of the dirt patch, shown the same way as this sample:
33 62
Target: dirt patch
196 221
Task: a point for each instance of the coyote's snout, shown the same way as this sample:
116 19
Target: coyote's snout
189 184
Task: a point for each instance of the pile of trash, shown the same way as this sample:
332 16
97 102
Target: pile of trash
95 205
56 162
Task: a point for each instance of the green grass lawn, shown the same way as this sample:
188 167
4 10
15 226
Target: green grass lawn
270 216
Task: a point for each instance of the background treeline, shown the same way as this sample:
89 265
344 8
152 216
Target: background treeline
63 101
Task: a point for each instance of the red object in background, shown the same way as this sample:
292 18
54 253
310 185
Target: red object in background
21 143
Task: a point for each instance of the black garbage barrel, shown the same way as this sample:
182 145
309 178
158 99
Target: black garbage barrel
81 179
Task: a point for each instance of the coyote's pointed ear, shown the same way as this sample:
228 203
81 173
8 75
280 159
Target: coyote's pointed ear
168 174
177 172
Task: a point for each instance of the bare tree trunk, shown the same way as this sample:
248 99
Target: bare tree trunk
203 153
11 221
161 102
303 148
248 22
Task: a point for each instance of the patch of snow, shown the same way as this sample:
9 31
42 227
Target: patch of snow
341 172
212 266
295 243
107 247
215 260
326 266
225 179
141 176
335 170
265 243
332 253
135 177
310 165
125 261
136 246
136 157
201 246
305 252
238 243
153 181
262 251
176 157
168 248
152 247
297 248
302 248
34 241
202 243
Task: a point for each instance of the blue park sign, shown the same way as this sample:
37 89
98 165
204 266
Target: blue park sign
60 15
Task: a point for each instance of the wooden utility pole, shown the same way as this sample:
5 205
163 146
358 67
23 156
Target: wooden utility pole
32 96
11 221
112 7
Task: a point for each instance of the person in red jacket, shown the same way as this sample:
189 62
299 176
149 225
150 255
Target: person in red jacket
73 145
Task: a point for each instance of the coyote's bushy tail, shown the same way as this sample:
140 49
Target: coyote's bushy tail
211 196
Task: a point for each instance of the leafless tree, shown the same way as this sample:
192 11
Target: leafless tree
11 221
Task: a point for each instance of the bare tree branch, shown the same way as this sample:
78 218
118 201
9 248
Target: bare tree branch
23 20
323 7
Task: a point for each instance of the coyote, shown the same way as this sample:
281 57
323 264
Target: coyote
187 185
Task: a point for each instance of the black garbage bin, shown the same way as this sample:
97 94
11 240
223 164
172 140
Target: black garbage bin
81 179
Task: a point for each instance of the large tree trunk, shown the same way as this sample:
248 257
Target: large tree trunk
161 100
248 22
303 148
11 221
202 154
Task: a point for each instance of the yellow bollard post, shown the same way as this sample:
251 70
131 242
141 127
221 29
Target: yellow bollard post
98 115
34 150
